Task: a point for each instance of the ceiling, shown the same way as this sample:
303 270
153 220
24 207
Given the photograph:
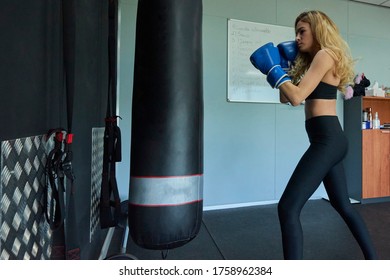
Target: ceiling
382 3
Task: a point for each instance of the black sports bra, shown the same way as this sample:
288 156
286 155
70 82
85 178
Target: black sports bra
324 91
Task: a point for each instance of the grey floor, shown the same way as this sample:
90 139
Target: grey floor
253 233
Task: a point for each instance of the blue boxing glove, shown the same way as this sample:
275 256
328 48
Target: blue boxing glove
267 60
288 52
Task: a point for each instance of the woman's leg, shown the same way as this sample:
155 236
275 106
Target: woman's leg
336 187
305 179
328 146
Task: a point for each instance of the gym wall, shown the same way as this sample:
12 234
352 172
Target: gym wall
33 101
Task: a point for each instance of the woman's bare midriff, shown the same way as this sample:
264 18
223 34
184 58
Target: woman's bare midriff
320 107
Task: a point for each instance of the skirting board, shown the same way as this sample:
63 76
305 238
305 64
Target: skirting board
256 203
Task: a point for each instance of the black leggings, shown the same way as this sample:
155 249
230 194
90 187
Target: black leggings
321 162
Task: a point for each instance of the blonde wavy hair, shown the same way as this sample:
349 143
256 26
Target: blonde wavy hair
327 35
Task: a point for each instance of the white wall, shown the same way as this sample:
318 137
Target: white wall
126 47
250 150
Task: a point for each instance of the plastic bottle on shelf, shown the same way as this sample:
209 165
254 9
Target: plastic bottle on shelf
376 122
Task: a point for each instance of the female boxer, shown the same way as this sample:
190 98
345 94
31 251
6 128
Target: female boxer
322 65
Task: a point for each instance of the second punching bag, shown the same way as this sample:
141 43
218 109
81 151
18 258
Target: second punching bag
166 173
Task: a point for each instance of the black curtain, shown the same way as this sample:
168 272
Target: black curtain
32 97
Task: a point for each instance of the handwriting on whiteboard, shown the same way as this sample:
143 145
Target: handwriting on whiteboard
245 82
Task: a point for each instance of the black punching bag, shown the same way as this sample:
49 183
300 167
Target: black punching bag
166 173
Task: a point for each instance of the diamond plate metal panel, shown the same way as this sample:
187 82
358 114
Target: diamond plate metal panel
96 177
24 233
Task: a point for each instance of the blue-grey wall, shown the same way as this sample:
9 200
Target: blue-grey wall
250 150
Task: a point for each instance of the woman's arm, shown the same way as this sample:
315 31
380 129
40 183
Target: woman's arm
322 63
282 97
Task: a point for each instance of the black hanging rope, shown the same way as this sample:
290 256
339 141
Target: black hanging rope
54 195
110 204
59 198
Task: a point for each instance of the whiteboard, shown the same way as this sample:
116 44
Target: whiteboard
244 82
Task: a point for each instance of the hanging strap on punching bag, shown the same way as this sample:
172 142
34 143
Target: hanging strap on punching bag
110 204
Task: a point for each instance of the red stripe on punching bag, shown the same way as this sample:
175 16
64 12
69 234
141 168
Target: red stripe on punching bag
166 173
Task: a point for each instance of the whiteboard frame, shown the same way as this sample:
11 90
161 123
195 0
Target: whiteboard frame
253 86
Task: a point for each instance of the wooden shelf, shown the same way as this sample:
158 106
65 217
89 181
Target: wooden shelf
367 163
380 105
377 98
375 163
